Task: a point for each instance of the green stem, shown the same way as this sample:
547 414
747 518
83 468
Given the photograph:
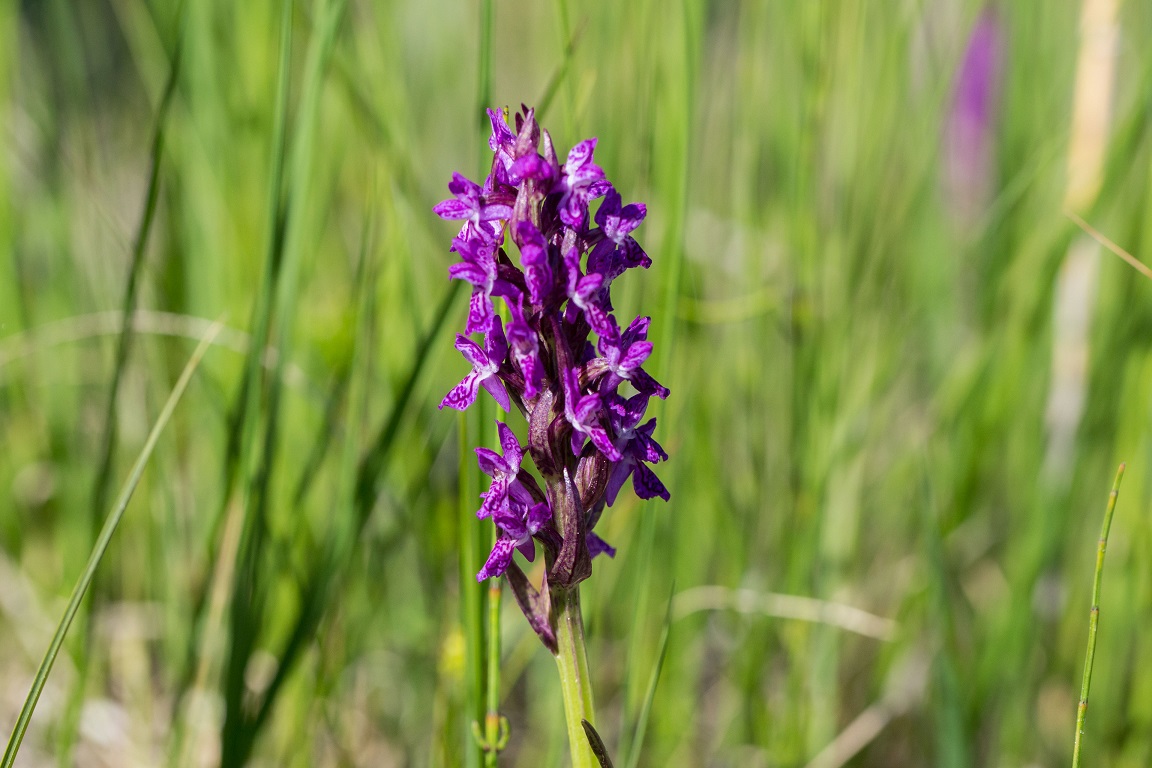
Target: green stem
572 661
472 602
1094 617
492 716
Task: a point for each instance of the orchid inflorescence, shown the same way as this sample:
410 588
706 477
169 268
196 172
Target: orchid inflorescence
585 435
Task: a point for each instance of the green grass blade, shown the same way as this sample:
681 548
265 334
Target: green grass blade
105 464
1094 617
139 247
372 463
253 580
106 533
471 598
472 425
328 570
560 74
242 462
633 755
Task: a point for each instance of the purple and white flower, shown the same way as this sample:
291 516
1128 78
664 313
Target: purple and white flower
562 360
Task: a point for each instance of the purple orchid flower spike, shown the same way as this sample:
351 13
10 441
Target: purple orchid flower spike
518 524
636 447
561 358
581 182
503 471
583 415
970 128
485 364
470 204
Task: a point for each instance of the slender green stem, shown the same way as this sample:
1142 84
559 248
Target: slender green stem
576 687
637 741
1094 617
484 68
492 734
472 556
139 248
566 82
471 596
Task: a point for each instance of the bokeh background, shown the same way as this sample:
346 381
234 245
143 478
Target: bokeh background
902 378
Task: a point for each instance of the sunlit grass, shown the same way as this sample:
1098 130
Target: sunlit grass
861 364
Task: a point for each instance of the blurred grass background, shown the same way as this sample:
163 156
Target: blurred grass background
902 378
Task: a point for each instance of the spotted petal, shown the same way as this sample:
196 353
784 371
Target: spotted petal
498 560
463 394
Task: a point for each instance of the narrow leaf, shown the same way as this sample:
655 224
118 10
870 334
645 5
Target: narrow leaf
597 745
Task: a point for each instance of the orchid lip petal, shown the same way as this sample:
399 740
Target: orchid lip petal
498 560
463 394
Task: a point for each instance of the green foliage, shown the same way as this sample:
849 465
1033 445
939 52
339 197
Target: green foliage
862 370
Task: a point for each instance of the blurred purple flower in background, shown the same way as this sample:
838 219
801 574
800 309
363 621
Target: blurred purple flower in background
971 126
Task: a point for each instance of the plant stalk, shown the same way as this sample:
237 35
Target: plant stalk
1094 617
492 729
575 685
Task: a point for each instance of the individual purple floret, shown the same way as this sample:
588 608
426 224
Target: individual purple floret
597 546
529 165
612 260
616 222
470 204
485 364
525 349
583 413
584 294
501 143
636 446
479 269
534 257
518 524
622 354
582 181
561 359
503 470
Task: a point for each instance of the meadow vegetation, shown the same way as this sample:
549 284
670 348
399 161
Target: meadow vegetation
902 379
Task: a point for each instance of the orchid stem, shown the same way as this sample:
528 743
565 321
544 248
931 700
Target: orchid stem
572 661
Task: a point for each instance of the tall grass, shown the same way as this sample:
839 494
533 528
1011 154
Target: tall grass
861 366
